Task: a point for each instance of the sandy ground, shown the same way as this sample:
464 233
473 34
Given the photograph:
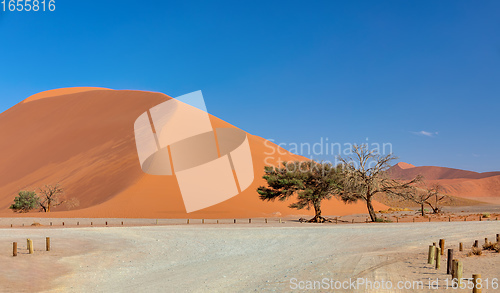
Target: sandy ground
234 257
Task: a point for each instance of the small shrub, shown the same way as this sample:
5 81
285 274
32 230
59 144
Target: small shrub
72 203
491 246
26 201
36 224
486 215
393 210
475 251
381 220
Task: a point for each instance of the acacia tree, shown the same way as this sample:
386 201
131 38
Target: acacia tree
311 182
50 197
26 201
365 176
424 196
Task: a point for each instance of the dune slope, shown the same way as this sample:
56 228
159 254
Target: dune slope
455 182
84 139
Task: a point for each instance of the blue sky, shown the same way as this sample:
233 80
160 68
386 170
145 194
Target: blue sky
292 71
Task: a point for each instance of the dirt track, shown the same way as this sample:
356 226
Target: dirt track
231 258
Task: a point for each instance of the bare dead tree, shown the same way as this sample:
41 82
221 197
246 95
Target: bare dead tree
50 196
432 192
365 176
424 195
438 198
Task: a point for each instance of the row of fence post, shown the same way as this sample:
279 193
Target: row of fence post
29 246
454 267
249 221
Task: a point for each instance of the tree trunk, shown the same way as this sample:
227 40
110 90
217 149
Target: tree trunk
434 210
422 210
317 213
371 211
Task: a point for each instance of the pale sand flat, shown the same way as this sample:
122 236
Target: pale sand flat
231 258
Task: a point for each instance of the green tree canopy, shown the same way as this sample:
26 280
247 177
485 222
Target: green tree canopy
26 201
311 182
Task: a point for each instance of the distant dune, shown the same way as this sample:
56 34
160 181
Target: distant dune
461 183
404 165
84 139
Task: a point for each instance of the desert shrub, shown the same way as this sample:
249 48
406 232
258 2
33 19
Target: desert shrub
491 246
72 203
486 215
26 201
392 210
36 224
381 220
488 246
475 251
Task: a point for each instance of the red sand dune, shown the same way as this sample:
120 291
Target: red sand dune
60 92
404 165
454 181
84 139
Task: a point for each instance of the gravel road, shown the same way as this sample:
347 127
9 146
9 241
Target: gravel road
231 257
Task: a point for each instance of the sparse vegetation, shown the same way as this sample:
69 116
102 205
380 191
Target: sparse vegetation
358 177
426 195
475 251
25 201
393 210
51 196
495 246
